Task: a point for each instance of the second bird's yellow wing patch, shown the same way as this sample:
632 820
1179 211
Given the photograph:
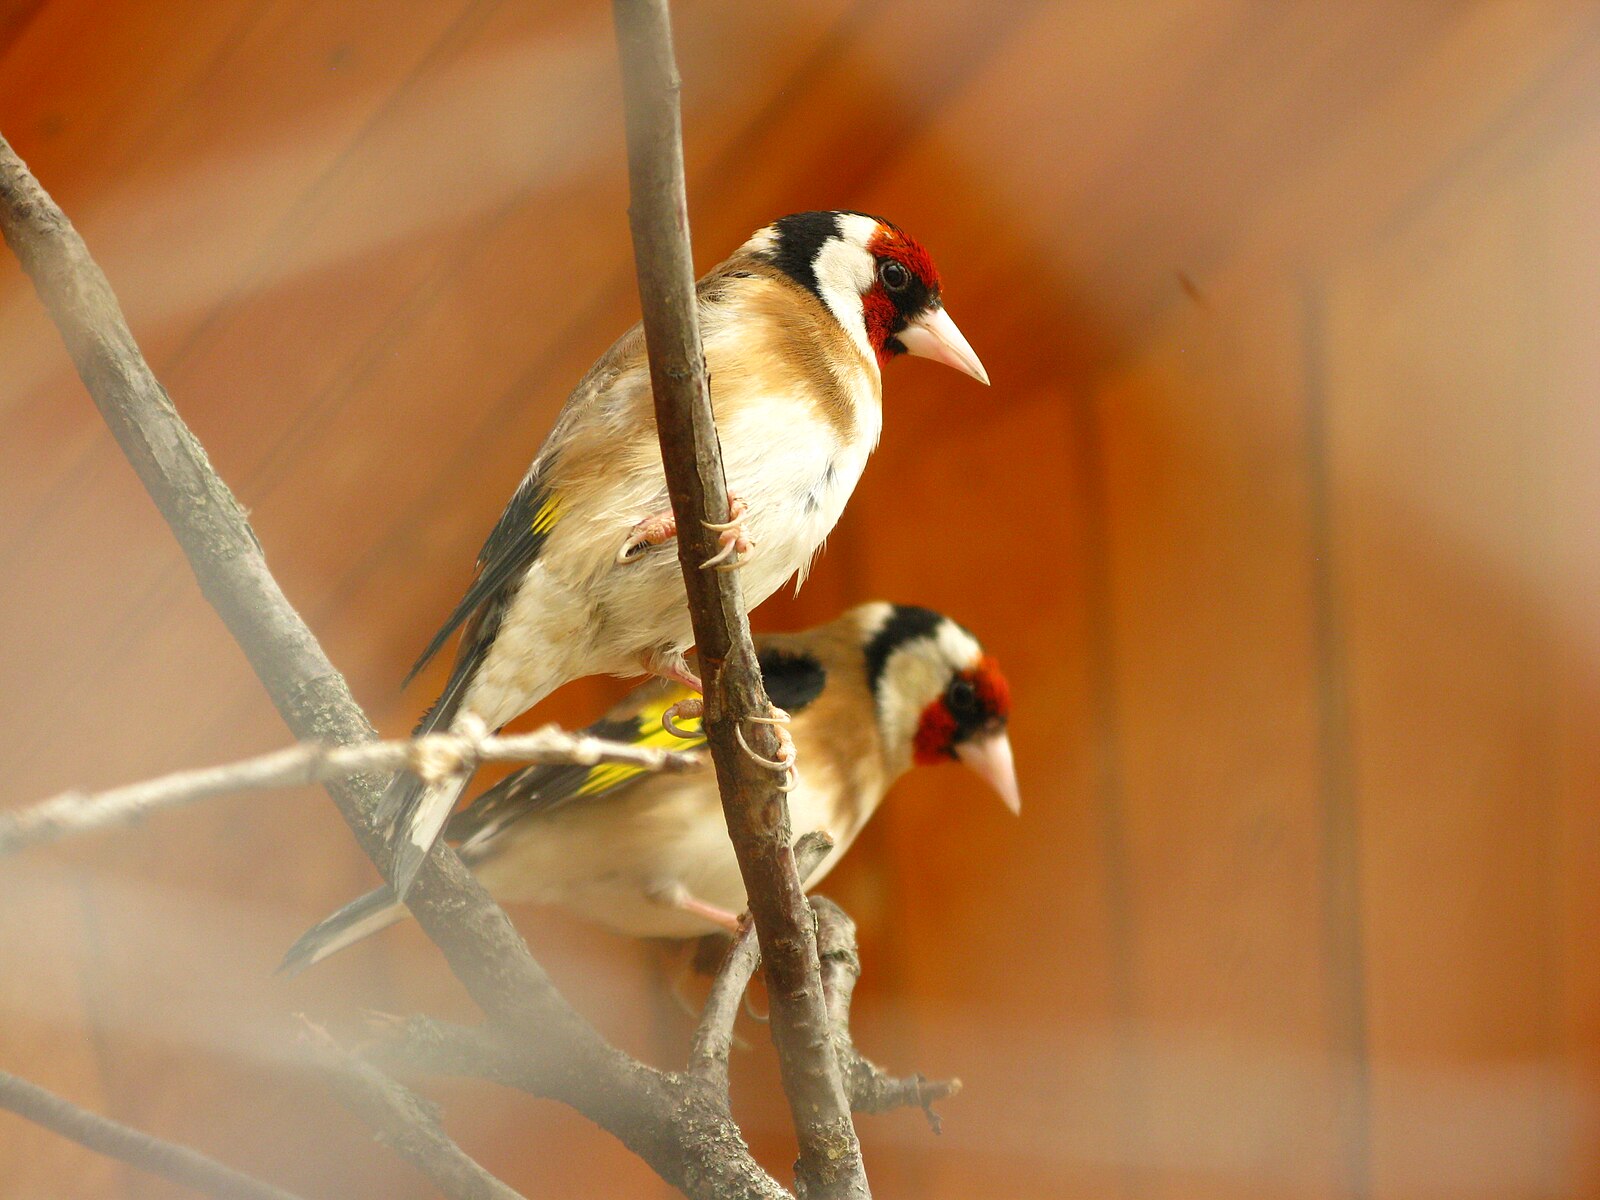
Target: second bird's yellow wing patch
647 731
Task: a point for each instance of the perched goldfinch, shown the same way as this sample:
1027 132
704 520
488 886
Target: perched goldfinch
871 693
579 577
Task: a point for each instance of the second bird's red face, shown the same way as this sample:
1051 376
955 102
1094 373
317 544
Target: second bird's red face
975 701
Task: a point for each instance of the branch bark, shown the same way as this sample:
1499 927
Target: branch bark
718 1166
435 754
116 1140
758 818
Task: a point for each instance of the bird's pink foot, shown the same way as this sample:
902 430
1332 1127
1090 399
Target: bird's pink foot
731 536
672 666
655 530
688 709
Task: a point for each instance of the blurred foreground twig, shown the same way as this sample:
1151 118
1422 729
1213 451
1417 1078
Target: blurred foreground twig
434 754
116 1140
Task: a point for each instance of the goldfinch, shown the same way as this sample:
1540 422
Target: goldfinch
579 577
871 693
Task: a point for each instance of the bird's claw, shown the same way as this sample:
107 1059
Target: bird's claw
685 709
733 542
785 761
731 535
737 508
654 530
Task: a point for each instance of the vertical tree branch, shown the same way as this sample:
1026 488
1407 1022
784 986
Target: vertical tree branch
757 815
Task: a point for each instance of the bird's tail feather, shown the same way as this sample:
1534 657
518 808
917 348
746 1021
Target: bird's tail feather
415 812
356 920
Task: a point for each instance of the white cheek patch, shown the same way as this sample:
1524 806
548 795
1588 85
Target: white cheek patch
915 676
844 270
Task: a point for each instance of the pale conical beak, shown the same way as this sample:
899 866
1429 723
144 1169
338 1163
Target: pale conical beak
934 335
989 754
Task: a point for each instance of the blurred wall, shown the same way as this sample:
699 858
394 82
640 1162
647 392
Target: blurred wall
1281 515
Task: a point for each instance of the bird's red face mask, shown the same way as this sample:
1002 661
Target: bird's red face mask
903 310
967 722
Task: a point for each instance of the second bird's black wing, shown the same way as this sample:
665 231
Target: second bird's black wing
793 681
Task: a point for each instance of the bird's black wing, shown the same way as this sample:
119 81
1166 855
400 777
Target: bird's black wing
511 548
636 721
794 679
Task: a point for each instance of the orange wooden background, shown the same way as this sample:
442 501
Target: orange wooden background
1281 514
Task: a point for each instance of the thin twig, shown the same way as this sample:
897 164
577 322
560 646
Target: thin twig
713 1037
316 762
872 1089
403 1121
758 819
116 1140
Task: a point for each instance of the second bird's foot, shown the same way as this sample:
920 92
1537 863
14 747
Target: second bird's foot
785 761
687 709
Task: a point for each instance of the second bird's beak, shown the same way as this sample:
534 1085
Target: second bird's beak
934 335
989 754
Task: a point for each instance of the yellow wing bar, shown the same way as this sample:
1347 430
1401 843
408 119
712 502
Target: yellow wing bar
544 520
650 732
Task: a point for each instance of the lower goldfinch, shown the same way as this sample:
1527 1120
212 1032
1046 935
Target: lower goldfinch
580 577
871 693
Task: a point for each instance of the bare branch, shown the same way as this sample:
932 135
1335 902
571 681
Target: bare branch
758 818
713 1037
719 1165
429 1046
317 762
406 1123
872 1089
116 1140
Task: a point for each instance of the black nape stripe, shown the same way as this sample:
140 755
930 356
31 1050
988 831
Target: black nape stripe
799 238
906 623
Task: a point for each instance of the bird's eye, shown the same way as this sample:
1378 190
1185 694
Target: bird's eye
895 277
961 698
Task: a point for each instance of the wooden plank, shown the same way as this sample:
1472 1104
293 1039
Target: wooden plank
202 166
1447 436
1211 566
